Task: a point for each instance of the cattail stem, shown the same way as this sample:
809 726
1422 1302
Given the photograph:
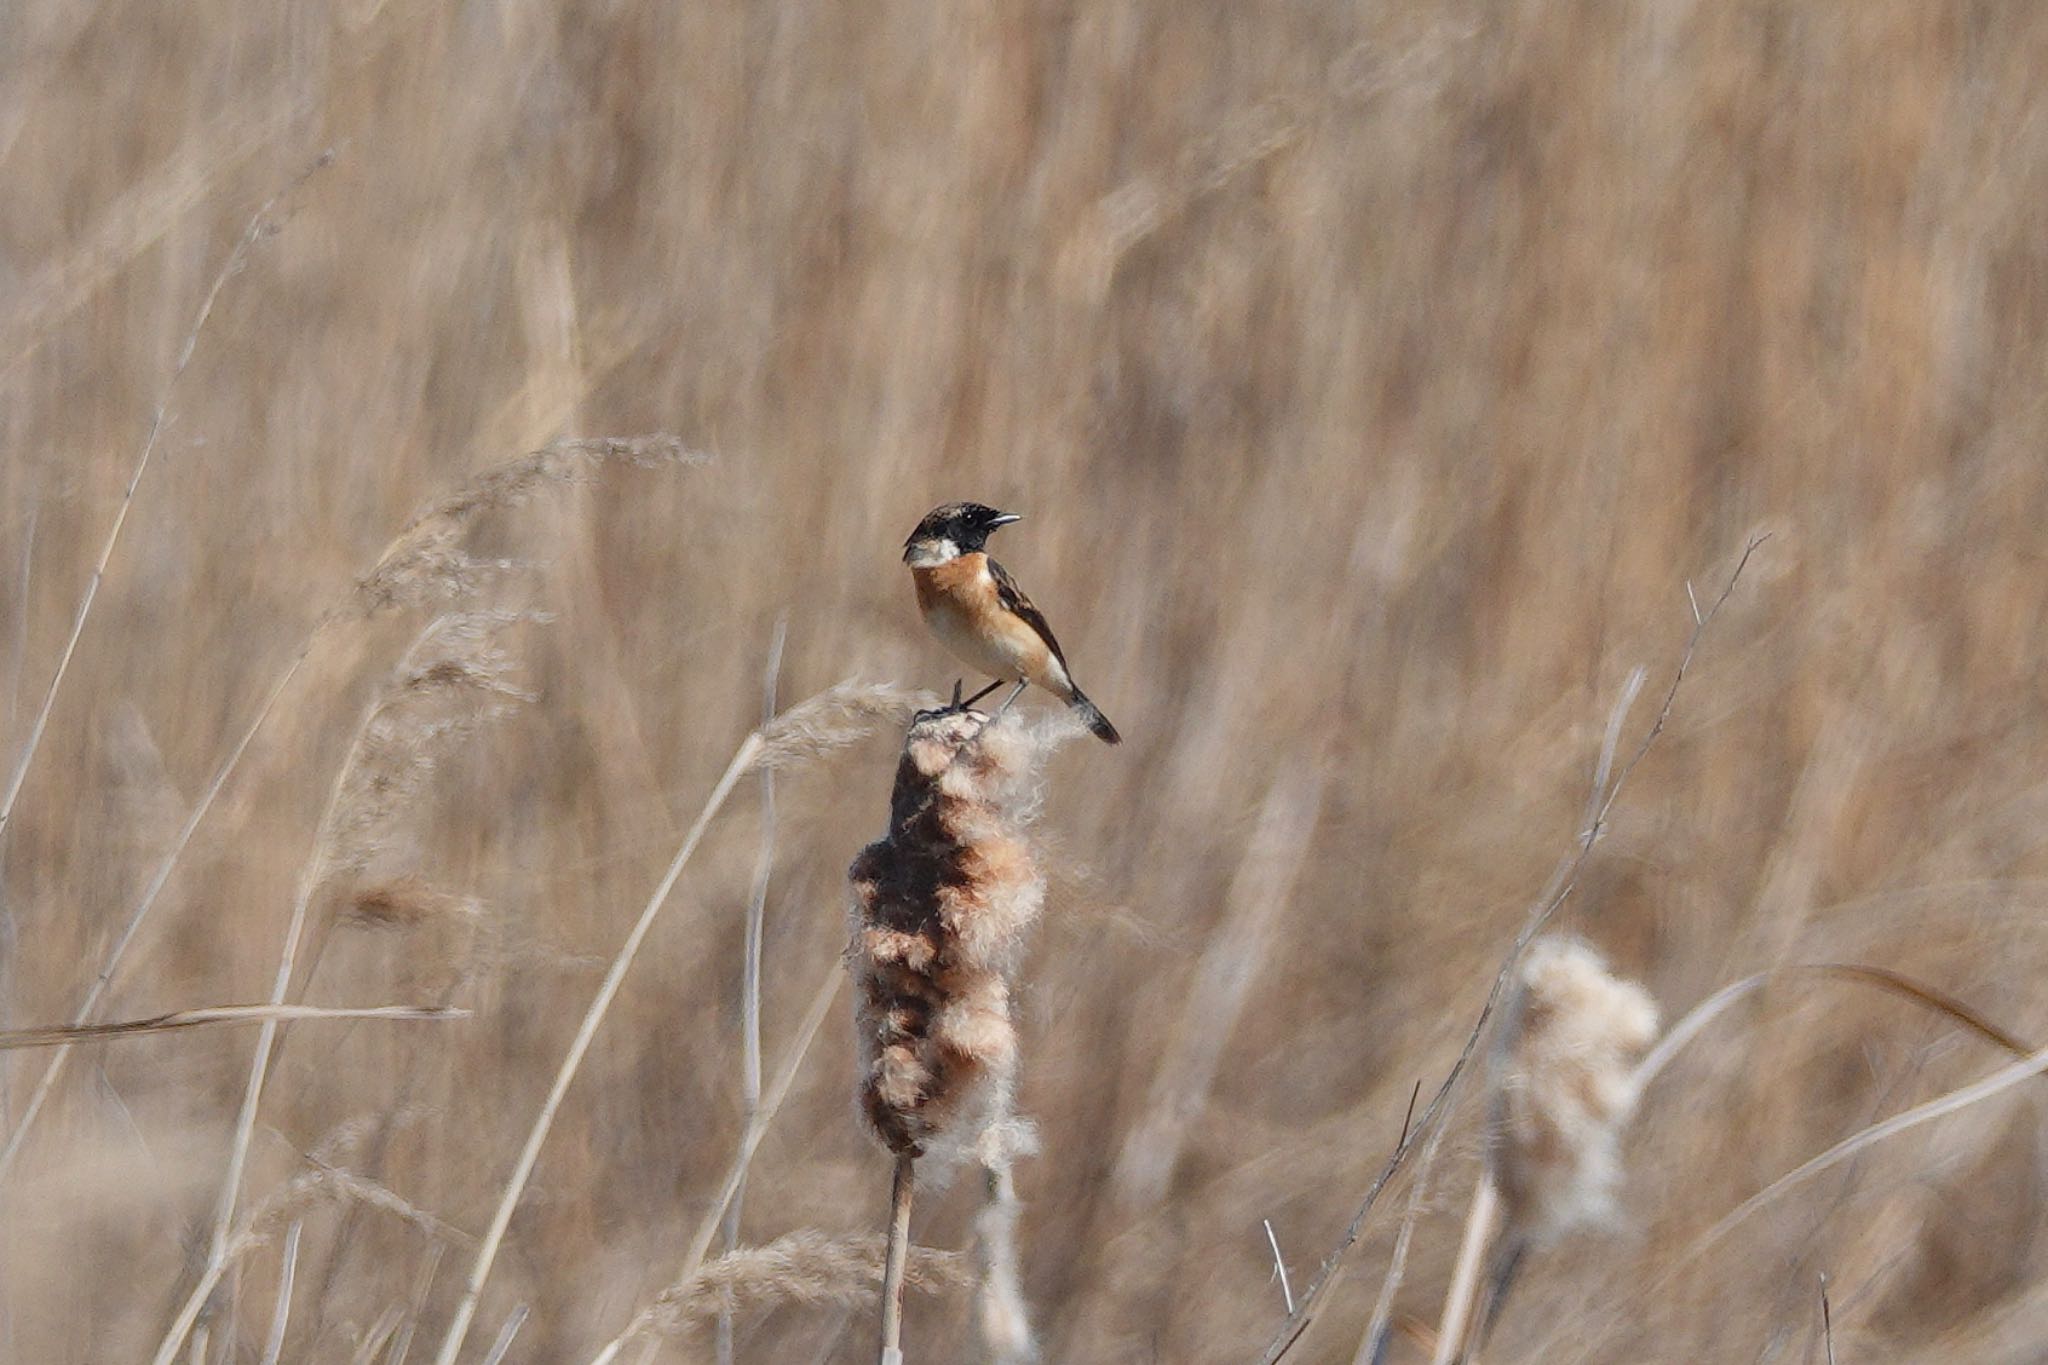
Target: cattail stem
1481 1222
899 1252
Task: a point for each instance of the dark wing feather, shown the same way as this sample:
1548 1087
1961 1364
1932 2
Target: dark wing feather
1012 596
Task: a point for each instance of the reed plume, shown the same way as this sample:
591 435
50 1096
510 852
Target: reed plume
939 909
1561 1088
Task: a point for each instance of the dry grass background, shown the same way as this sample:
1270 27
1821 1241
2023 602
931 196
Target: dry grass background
1375 379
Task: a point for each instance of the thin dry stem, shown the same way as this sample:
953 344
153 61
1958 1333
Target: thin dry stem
901 1189
750 978
501 1345
1482 1220
209 1015
280 1317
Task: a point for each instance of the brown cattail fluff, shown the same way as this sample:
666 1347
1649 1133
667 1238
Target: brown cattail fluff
939 908
1563 1089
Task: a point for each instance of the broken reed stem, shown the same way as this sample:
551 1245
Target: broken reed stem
1600 801
900 1191
1481 1222
205 1016
238 255
750 980
465 1309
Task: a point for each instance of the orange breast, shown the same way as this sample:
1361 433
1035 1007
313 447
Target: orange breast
959 602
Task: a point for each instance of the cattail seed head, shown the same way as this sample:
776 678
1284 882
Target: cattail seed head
939 909
1562 1088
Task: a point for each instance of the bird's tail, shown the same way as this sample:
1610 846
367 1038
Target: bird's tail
1098 723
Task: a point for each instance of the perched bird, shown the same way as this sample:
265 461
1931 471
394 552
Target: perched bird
978 611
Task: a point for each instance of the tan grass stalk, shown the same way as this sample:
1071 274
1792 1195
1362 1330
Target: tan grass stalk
750 975
238 256
280 1317
1482 1223
1927 997
256 1230
901 1190
423 1285
1989 1087
209 1015
501 1345
522 1171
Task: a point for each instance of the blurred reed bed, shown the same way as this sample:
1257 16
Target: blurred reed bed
1383 387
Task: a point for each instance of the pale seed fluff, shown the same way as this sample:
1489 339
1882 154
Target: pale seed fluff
1563 1088
939 910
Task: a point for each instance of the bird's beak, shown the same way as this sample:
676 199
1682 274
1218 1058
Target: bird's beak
1004 519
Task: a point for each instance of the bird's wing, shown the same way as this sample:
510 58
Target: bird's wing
1012 597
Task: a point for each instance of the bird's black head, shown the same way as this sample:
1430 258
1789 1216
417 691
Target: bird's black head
955 529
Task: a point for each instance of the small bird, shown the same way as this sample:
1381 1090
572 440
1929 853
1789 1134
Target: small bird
978 611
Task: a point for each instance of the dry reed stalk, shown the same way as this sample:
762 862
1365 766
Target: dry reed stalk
750 976
1599 802
901 1190
939 908
280 1317
1561 1087
1482 1224
501 1345
210 1015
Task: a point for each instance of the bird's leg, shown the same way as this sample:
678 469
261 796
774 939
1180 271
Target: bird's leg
956 706
1015 693
977 696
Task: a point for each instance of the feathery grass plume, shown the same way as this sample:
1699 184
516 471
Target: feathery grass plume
1562 1085
807 1267
844 713
939 909
426 561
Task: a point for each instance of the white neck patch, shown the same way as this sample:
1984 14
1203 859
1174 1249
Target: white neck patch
930 553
